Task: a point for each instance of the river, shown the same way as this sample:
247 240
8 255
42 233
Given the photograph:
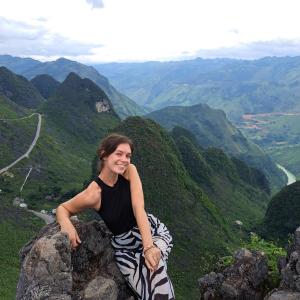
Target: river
291 177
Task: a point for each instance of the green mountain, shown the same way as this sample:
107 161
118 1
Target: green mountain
198 207
19 89
282 216
194 221
73 122
235 86
60 69
81 108
45 84
196 199
212 129
228 182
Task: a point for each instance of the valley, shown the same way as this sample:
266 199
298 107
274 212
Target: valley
278 133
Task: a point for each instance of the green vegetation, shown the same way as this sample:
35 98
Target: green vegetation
61 68
213 129
235 86
282 215
272 252
73 110
16 137
175 193
45 84
19 89
198 207
287 156
16 229
228 185
279 135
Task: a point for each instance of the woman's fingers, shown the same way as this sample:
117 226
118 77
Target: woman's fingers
151 260
75 241
77 238
148 265
156 255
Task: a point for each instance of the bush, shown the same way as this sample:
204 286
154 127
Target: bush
273 253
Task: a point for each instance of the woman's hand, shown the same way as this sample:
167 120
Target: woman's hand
152 258
73 235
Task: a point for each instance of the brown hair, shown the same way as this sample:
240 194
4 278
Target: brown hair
109 144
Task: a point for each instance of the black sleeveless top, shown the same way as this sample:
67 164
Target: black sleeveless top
116 208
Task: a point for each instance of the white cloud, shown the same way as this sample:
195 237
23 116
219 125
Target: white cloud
149 29
18 38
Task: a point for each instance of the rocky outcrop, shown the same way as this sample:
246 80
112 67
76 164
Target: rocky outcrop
245 279
51 270
289 288
241 281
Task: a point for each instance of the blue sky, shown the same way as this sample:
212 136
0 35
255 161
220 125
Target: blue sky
93 31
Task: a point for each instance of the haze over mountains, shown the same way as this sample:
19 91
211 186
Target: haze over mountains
235 86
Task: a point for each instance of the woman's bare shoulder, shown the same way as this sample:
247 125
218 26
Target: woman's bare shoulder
93 192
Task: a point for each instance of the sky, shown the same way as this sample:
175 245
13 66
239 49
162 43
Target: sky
92 31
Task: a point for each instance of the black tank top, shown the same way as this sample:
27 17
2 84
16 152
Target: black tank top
116 208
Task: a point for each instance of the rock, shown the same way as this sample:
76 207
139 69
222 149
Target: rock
290 274
241 281
289 287
101 288
51 270
238 223
17 201
284 295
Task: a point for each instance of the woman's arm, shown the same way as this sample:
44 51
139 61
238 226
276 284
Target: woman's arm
137 199
88 198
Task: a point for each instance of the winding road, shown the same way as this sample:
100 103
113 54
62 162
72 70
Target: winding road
47 218
25 155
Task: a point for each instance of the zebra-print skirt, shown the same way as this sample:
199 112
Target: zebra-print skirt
130 259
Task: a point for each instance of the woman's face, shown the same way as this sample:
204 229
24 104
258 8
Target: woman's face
119 160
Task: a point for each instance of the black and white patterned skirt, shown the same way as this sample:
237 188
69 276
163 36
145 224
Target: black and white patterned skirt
130 259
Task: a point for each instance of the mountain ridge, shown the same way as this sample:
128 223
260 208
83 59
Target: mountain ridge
59 70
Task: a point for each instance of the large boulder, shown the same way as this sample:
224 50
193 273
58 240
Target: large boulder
51 270
241 281
289 288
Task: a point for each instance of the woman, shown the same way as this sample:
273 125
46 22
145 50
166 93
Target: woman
141 242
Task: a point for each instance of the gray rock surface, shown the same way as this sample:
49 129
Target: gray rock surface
289 267
241 281
284 295
51 270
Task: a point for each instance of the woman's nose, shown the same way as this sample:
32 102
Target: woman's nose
125 159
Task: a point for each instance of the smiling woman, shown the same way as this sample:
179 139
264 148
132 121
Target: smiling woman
141 242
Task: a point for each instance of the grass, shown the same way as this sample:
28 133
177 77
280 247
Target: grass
13 236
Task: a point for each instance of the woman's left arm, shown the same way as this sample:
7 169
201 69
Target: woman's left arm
137 199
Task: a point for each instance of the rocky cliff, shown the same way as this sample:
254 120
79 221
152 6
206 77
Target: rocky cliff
246 278
51 270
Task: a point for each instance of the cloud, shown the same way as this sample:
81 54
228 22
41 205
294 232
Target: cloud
255 50
96 3
12 30
21 39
